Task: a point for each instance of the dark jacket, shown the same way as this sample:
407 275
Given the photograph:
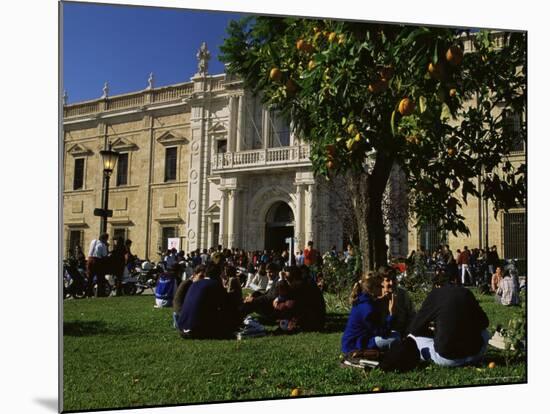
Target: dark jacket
202 310
458 318
364 323
306 305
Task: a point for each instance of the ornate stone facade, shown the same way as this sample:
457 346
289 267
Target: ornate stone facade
234 161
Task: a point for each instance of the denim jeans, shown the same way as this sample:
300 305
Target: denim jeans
384 343
427 352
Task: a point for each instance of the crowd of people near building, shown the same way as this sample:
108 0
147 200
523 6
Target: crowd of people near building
205 289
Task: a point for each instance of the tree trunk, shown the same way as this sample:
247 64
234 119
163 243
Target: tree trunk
366 191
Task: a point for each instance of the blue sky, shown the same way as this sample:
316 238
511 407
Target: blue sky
123 44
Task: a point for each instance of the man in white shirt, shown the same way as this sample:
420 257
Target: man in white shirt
97 265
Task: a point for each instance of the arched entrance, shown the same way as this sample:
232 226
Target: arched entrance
279 225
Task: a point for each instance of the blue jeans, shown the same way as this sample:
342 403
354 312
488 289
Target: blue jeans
384 343
428 353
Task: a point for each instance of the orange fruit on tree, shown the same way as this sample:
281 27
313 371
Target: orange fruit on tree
377 389
311 65
379 86
406 107
332 37
304 46
275 74
291 87
451 151
436 70
454 55
331 164
452 92
386 72
491 365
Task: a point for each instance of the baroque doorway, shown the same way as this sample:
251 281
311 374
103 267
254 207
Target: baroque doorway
279 225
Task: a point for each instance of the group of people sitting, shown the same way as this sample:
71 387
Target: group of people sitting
210 304
449 329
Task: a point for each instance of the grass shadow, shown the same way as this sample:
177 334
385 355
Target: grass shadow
90 328
335 322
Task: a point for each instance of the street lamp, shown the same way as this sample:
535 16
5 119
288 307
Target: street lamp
109 158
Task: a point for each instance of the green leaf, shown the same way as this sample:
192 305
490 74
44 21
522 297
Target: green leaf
393 114
422 104
435 57
445 112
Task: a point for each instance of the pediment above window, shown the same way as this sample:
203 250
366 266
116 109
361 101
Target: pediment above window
172 138
218 129
79 150
213 210
122 144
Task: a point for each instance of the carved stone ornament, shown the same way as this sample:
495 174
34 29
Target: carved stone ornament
203 56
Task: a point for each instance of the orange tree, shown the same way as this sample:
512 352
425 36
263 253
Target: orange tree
370 96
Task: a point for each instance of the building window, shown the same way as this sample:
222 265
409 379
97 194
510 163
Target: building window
221 146
515 232
122 170
170 164
120 232
280 130
167 233
78 181
430 238
76 238
512 128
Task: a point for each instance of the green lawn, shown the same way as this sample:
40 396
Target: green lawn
120 352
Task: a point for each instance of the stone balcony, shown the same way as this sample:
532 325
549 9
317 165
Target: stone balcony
261 159
147 98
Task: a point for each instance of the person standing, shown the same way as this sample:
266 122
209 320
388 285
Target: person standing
117 264
492 259
464 262
96 265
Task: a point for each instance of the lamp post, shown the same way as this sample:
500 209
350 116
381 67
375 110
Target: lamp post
109 158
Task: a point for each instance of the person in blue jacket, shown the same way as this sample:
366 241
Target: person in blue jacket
368 325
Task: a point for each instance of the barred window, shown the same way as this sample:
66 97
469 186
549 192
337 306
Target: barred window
122 170
78 179
512 128
171 163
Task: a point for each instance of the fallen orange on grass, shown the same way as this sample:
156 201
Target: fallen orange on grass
296 392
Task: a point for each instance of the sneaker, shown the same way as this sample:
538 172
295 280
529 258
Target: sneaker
497 341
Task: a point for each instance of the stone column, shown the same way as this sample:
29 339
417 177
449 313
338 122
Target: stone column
223 221
231 125
231 212
209 235
265 128
299 230
309 210
240 132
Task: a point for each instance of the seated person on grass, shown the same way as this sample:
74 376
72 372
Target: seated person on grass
368 326
209 310
460 336
404 308
166 287
234 300
260 281
299 303
202 314
183 288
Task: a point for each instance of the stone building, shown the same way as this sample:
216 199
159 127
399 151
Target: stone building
201 161
205 162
